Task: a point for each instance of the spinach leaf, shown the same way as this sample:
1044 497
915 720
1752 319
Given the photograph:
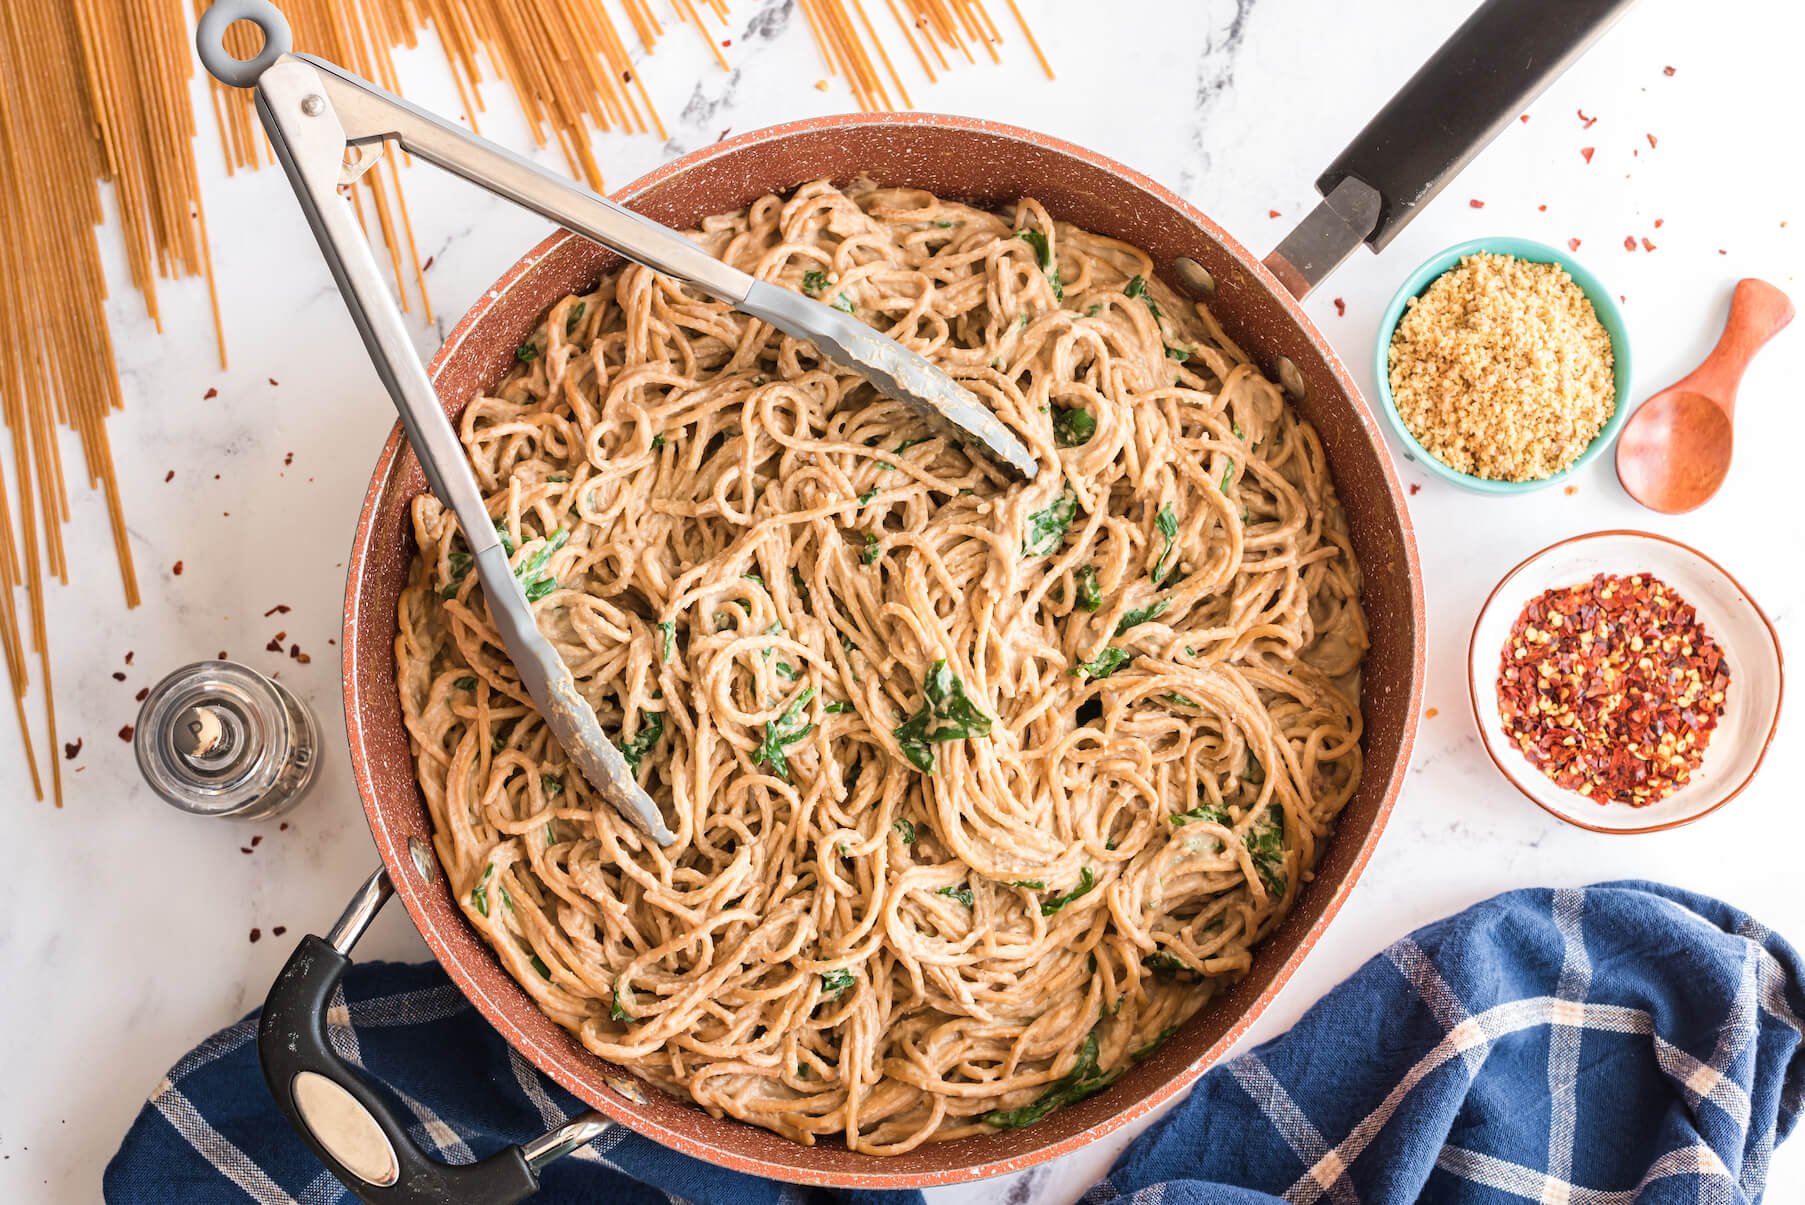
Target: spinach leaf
504 535
479 894
1228 475
835 707
1047 528
651 728
1167 965
866 497
1073 428
1037 885
1043 255
1180 700
467 682
622 1001
1090 596
813 282
576 316
904 829
534 582
1141 615
787 729
1177 353
1138 288
1086 881
947 715
1166 521
1215 813
552 785
1266 845
669 628
872 551
1106 663
836 981
961 894
526 353
657 442
843 302
545 972
1084 1079
1142 1052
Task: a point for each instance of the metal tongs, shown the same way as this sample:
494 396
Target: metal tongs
328 127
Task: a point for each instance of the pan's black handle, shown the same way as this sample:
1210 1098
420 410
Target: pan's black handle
345 1122
1481 79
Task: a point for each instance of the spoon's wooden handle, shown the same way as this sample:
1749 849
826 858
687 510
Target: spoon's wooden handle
1758 312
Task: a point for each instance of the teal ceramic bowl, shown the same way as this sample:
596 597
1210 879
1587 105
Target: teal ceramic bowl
1603 301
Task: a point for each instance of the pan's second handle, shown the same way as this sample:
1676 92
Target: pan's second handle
345 1122
1481 79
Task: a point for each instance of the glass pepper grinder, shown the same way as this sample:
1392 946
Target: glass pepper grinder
217 738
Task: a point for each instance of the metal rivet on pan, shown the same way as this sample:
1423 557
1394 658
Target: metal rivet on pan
313 106
424 862
1292 379
1196 277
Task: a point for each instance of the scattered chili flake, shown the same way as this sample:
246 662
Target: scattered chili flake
71 748
294 650
209 395
1572 490
169 476
1612 688
1585 152
176 568
283 827
1721 251
143 693
1652 144
1475 203
274 646
1629 242
1415 489
256 840
288 459
125 733
224 656
128 656
278 931
278 609
820 85
274 381
1660 222
427 266
118 675
256 933
1573 244
1586 123
1432 713
244 849
725 42
1542 208
1646 245
1524 119
1667 71
1272 213
1340 308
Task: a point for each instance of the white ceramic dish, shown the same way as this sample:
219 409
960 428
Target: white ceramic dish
1751 649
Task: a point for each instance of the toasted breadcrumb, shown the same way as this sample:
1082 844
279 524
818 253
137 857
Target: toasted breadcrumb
1502 370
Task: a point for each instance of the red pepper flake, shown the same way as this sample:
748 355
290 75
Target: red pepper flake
1629 242
283 827
278 609
288 459
1612 688
274 646
274 381
143 693
118 675
1646 245
1652 144
71 748
726 42
278 931
1415 489
128 656
1475 203
224 656
1585 152
209 395
1431 713
1721 251
1524 119
125 734
256 933
1573 244
1572 490
1667 71
427 266
1272 213
176 568
1586 123
294 650
244 849
1543 208
1340 308
169 476
256 841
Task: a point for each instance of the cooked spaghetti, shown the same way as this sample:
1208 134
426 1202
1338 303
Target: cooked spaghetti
980 788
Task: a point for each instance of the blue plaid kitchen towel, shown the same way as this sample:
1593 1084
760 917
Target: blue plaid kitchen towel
1628 1042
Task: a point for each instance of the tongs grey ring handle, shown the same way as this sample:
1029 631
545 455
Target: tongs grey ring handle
210 40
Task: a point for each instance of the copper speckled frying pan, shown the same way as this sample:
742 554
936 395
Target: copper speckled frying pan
1490 70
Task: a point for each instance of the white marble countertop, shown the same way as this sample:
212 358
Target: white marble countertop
126 941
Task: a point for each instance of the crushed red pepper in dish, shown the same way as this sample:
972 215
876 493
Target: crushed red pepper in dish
1612 688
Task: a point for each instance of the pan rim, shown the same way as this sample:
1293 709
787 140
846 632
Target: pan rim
499 1014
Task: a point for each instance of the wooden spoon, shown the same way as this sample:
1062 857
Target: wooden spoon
1675 450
